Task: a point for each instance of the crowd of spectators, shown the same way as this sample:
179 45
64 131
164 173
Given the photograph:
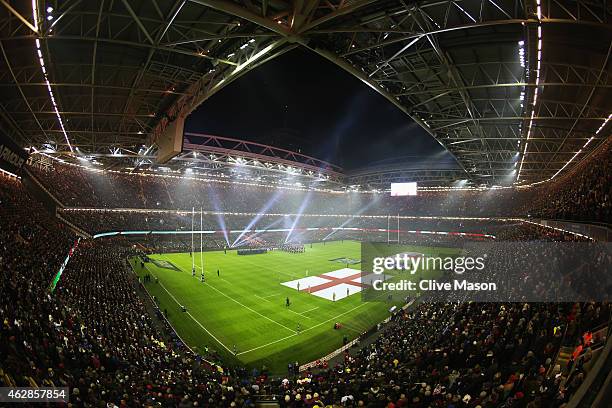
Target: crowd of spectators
33 245
100 221
454 355
98 336
583 194
79 187
94 334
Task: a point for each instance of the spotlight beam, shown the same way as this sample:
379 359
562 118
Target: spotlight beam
300 211
352 217
219 215
259 232
263 210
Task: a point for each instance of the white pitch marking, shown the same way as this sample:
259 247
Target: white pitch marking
342 273
335 289
246 307
262 298
297 313
209 333
304 283
189 314
310 310
303 331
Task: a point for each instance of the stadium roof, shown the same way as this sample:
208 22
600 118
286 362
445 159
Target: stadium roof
515 90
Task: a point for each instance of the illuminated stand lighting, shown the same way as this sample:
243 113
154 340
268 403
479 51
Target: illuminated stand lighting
44 69
535 92
603 125
353 229
558 229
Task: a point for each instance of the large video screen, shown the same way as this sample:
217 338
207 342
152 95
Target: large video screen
403 189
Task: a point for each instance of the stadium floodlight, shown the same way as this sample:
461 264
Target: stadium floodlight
535 91
44 71
253 58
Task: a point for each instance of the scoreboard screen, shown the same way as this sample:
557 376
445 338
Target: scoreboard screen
403 189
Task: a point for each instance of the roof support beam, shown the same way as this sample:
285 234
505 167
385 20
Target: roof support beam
125 43
64 13
347 9
372 84
93 60
586 103
21 18
241 12
25 99
138 22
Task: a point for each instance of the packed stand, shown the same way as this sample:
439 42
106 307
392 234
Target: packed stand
583 194
78 187
100 221
98 337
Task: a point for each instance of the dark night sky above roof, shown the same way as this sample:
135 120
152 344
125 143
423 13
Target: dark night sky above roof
304 103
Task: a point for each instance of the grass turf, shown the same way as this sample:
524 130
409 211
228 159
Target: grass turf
243 309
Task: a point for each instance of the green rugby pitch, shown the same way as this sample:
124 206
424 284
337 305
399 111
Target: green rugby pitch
244 309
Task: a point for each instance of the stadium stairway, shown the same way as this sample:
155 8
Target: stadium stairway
267 404
565 353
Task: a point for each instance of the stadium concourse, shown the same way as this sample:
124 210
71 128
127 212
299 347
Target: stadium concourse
99 335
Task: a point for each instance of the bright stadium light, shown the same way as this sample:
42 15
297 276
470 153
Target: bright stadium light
581 149
535 92
43 68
